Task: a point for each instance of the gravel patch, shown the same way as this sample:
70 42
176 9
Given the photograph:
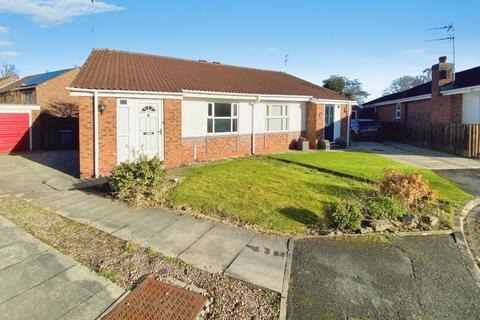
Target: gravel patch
126 263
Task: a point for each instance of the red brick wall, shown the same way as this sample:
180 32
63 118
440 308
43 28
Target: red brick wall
86 147
344 121
222 147
107 133
172 113
56 89
438 109
315 123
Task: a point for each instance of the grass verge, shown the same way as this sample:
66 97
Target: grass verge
126 263
364 165
263 193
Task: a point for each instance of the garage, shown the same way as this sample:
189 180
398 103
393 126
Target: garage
15 127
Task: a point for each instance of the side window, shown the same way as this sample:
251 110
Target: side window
277 117
398 111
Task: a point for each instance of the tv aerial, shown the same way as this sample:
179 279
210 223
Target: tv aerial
450 30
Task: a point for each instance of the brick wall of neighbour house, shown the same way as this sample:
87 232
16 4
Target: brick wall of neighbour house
55 89
229 146
439 109
36 135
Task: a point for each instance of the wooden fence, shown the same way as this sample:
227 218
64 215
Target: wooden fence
459 139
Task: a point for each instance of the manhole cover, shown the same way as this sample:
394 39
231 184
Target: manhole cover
156 300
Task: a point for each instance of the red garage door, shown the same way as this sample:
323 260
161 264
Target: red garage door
14 132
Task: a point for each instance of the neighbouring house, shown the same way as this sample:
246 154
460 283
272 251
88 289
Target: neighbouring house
187 111
7 80
48 91
449 98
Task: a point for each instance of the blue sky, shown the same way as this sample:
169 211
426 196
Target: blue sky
373 41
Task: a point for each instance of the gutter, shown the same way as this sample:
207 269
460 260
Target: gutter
253 124
349 112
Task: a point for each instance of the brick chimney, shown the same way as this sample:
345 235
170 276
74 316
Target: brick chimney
442 74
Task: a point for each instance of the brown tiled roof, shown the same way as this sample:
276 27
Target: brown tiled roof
118 70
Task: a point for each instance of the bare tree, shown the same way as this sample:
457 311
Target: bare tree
60 108
7 70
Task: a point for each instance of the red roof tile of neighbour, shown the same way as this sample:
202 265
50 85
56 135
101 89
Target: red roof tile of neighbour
118 70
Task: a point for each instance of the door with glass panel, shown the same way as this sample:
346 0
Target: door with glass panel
329 122
148 129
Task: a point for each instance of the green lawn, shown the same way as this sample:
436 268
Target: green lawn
287 197
262 192
371 166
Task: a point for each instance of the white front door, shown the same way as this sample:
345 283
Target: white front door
139 129
148 128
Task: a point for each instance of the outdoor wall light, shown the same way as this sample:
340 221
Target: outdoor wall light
102 107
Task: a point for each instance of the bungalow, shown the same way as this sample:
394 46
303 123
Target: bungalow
186 111
449 98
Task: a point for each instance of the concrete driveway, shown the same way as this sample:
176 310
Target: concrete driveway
464 172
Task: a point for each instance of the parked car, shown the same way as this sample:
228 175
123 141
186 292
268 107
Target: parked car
365 128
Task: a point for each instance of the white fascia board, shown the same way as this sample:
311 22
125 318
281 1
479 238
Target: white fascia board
18 107
331 101
80 92
415 98
473 89
243 96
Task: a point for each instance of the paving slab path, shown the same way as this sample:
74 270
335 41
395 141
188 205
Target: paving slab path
215 247
38 282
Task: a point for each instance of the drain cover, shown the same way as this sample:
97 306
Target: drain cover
156 300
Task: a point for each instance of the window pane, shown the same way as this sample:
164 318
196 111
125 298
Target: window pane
275 124
223 110
209 125
210 106
285 124
275 111
223 125
286 110
234 125
235 110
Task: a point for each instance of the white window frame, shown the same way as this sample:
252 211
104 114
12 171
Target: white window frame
234 110
285 114
398 111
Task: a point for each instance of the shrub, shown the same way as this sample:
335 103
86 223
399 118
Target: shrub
346 215
410 190
378 207
140 183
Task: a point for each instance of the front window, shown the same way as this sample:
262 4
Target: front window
398 111
222 117
29 97
277 117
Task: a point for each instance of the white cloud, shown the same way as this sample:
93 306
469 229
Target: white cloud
8 54
5 43
4 29
51 12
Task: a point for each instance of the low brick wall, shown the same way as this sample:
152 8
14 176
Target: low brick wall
229 146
